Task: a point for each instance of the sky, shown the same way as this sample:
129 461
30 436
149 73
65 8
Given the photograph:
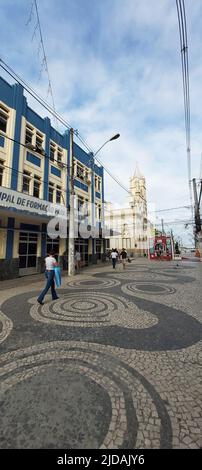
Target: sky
115 66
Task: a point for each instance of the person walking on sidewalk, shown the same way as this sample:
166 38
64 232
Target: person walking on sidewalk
50 263
123 257
114 256
77 258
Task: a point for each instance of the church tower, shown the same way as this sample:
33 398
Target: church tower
138 189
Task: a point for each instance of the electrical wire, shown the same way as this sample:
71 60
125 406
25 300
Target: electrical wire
185 76
27 148
170 209
65 123
45 61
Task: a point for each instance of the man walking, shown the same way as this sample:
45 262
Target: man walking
123 257
114 256
50 263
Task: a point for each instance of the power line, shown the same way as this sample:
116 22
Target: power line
100 162
25 145
40 100
185 76
44 63
170 209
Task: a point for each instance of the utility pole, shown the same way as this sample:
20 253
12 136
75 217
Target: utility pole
196 212
71 263
162 227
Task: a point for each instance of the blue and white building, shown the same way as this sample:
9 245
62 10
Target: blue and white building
34 182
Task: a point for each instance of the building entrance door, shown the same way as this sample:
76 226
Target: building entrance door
28 253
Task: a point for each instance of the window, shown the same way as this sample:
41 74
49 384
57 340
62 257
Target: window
29 134
52 244
58 195
80 203
86 175
97 183
96 210
1 172
39 141
59 155
51 192
3 118
52 152
26 182
37 184
80 172
86 208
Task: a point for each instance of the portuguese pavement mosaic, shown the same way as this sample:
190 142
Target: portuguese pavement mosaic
114 363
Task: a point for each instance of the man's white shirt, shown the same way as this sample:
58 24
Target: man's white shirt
50 263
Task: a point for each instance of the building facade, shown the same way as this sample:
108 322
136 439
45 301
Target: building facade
35 187
130 224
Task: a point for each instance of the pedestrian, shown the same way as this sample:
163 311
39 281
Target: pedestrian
78 260
50 263
114 256
124 256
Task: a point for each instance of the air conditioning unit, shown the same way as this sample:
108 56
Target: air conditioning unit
61 165
30 146
40 149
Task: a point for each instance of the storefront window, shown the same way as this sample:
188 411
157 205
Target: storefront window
81 245
98 249
28 250
52 244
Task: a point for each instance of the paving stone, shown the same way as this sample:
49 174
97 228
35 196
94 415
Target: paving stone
108 358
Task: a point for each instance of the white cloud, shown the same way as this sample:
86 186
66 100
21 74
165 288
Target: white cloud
116 67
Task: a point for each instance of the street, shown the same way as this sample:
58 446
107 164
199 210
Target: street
114 363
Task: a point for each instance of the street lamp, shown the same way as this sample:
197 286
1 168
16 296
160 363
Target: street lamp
71 263
116 136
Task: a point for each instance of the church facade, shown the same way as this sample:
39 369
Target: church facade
129 225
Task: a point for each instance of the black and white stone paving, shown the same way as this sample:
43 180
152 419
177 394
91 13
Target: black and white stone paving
115 362
92 309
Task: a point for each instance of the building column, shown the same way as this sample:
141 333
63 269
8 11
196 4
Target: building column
46 163
43 240
19 103
10 237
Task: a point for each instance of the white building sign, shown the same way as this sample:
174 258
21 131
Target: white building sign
23 202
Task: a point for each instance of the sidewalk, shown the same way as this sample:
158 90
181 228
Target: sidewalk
115 362
37 278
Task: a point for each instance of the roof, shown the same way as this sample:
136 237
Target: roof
137 173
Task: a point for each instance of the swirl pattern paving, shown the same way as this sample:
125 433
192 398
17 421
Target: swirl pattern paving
111 413
93 310
113 363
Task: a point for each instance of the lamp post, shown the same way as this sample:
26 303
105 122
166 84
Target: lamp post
71 263
114 137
